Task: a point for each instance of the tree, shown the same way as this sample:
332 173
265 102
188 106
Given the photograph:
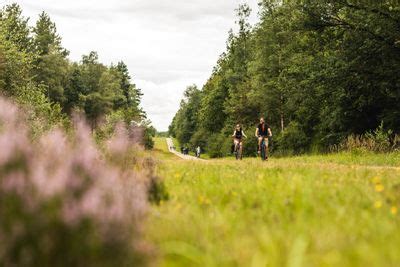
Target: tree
46 39
35 71
317 70
15 27
15 54
186 120
51 66
130 99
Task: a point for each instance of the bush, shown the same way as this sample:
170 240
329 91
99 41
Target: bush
62 203
250 144
41 114
141 134
106 130
293 140
199 138
378 140
215 146
149 134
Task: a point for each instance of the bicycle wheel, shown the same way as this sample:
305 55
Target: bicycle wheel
263 152
240 153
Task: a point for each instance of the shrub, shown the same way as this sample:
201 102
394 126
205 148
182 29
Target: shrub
148 135
199 138
62 203
107 129
215 146
378 140
41 114
293 140
250 144
141 134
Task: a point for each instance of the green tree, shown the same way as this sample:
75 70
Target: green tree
186 120
51 65
15 28
15 55
317 70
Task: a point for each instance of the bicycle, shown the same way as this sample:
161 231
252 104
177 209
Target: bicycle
238 151
264 149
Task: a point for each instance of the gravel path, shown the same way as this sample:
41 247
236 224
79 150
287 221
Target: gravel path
171 149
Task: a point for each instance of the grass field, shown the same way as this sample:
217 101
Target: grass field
333 210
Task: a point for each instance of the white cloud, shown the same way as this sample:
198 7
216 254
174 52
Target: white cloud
167 44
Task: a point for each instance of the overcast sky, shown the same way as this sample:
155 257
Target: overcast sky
167 44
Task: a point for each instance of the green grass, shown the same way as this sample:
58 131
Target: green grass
300 211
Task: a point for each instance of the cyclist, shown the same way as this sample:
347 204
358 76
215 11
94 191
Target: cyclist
238 135
263 131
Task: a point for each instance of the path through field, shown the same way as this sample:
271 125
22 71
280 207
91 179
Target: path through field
171 148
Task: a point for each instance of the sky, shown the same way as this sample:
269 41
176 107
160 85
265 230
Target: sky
167 44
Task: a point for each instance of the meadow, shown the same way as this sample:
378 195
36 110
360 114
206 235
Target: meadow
330 210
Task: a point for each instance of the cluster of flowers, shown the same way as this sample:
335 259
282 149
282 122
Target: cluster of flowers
389 196
65 203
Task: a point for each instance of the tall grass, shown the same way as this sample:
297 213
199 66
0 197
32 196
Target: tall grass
378 140
340 209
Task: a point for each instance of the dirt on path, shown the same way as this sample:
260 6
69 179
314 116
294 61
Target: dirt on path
330 165
171 148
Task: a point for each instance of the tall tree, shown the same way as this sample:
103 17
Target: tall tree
51 65
46 40
317 70
15 27
15 50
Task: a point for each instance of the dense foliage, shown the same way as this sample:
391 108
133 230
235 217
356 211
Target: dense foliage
35 70
318 71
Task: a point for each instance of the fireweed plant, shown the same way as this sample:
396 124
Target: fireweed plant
65 203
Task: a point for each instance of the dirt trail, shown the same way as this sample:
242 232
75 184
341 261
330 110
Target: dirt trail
330 165
172 149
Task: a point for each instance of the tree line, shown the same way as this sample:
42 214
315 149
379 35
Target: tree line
318 71
35 70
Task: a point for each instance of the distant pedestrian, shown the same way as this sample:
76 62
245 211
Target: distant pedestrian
198 151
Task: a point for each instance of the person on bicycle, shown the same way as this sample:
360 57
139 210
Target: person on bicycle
238 135
263 131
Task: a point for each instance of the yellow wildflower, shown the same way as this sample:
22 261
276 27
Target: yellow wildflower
204 200
379 188
376 180
393 210
378 204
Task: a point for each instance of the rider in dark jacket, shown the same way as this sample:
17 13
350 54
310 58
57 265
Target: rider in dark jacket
263 131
